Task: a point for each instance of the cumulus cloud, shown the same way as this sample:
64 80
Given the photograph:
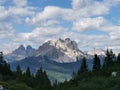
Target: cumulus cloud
115 35
49 12
53 12
39 35
45 33
90 7
3 13
6 31
20 11
84 15
84 24
20 3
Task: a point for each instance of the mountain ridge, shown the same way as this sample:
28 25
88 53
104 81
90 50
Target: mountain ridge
61 51
54 57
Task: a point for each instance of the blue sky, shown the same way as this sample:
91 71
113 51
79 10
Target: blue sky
91 23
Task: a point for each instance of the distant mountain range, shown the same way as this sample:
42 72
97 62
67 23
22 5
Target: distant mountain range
59 58
61 51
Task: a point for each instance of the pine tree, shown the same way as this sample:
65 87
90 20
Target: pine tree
118 58
110 56
18 71
96 63
4 67
28 77
42 80
39 74
28 73
83 67
1 62
39 79
1 57
46 81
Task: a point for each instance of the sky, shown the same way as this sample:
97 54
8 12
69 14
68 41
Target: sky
91 23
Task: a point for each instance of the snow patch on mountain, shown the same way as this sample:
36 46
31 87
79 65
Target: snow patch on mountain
96 51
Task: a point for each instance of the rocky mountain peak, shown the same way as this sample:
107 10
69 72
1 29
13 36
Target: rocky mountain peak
20 53
96 51
29 50
29 47
66 44
61 50
67 40
68 47
21 50
21 47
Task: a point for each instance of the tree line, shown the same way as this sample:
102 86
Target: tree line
14 80
25 80
99 78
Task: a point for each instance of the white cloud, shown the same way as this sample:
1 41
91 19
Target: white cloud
6 31
50 12
83 15
54 12
78 4
20 11
115 34
39 35
45 33
3 13
98 23
89 24
89 7
20 3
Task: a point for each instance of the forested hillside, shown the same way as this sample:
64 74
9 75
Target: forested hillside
102 77
19 80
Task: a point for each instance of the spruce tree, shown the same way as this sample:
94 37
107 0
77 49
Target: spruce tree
28 77
83 67
118 58
18 71
96 63
6 69
28 73
1 57
42 81
4 66
39 79
1 62
110 56
46 81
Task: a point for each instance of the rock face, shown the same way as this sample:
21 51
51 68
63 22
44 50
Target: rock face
20 53
62 51
29 50
21 50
